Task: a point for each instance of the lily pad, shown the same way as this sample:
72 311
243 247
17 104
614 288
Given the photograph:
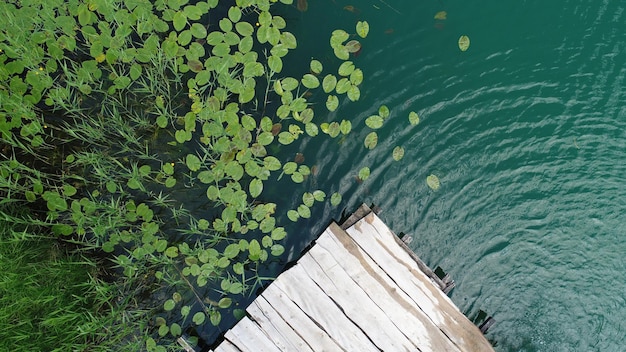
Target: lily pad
441 15
464 43
433 182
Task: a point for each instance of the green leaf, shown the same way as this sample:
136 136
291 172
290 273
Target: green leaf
169 305
277 250
193 162
328 83
332 102
343 86
179 20
198 31
275 63
176 330
354 93
338 37
256 187
171 252
304 211
310 81
464 43
383 111
345 127
69 190
364 173
215 317
244 28
362 28
433 182
346 68
371 140
356 77
199 318
335 199
278 234
341 52
234 13
308 199
319 195
316 67
414 119
225 303
374 122
163 330
293 215
271 163
311 129
398 153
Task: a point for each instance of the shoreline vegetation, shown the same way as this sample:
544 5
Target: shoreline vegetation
111 113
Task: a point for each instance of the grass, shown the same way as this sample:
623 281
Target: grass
53 299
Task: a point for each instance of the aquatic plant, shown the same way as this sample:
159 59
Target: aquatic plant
112 111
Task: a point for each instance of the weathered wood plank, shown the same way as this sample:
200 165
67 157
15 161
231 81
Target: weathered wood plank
276 328
250 337
323 310
371 234
309 331
226 346
397 305
355 303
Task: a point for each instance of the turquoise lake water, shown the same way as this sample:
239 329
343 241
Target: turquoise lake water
526 131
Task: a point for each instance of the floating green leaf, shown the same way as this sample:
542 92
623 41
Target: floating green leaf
464 43
329 83
310 81
346 68
374 122
256 187
398 153
332 102
383 111
335 199
364 173
414 119
293 215
316 67
193 162
362 28
169 305
199 318
433 182
371 140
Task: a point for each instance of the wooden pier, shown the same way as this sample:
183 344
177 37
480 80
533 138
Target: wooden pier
356 289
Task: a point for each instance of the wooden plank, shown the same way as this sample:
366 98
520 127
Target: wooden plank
371 234
323 310
276 328
227 346
338 285
248 336
405 315
309 331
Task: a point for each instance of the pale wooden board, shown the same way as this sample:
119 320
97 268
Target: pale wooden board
226 346
355 303
285 338
364 272
323 310
310 332
248 336
372 235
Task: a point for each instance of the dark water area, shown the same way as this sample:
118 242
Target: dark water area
526 132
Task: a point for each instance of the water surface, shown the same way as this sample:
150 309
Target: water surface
526 131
